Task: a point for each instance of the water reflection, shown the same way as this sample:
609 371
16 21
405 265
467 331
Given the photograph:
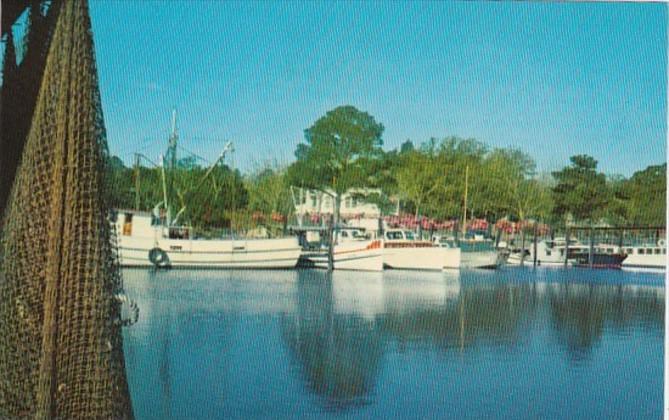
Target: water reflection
580 313
246 344
335 341
345 322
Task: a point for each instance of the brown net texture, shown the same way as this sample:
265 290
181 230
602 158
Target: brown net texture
61 348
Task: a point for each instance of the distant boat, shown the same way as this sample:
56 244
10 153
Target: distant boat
358 254
551 253
603 256
649 257
401 250
143 241
476 252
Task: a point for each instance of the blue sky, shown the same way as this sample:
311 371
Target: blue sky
553 79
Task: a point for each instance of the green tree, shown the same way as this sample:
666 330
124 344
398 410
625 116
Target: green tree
646 196
338 152
581 191
269 192
419 177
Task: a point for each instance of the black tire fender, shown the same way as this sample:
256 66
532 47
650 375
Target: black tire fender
158 257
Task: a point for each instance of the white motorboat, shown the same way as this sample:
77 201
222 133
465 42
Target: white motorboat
651 257
550 252
401 250
144 242
358 255
474 253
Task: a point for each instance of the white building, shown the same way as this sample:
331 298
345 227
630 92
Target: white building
310 202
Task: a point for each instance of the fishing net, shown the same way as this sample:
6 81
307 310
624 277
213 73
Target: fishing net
61 349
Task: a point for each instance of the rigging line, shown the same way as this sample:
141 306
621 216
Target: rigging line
194 154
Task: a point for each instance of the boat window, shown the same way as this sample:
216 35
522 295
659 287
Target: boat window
178 233
642 251
658 251
629 251
344 234
548 252
127 225
394 235
409 235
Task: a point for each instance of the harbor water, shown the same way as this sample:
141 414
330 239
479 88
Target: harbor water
510 343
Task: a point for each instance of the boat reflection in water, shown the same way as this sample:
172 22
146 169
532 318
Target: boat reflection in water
506 343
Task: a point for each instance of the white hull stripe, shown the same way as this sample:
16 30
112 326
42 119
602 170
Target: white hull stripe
181 251
211 262
340 260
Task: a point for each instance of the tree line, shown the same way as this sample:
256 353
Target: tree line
343 151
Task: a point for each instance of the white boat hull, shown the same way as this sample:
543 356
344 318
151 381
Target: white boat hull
514 259
357 255
200 253
421 258
480 259
651 263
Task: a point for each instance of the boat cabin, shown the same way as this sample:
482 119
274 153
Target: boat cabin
645 250
352 234
398 238
141 224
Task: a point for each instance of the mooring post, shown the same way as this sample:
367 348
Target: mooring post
592 247
331 237
456 230
522 245
566 247
534 251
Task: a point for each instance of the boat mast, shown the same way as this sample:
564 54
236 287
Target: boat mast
174 137
162 172
464 214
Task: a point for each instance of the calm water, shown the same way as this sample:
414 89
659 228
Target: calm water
511 343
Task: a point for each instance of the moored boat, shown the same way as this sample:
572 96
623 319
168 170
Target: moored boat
649 257
401 250
474 252
143 241
359 255
600 258
550 253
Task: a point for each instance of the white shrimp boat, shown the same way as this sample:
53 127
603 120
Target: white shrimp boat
401 251
144 242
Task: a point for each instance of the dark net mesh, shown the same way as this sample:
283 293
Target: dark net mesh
61 349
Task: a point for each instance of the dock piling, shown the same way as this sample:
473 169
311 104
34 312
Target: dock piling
331 237
566 247
591 251
534 251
